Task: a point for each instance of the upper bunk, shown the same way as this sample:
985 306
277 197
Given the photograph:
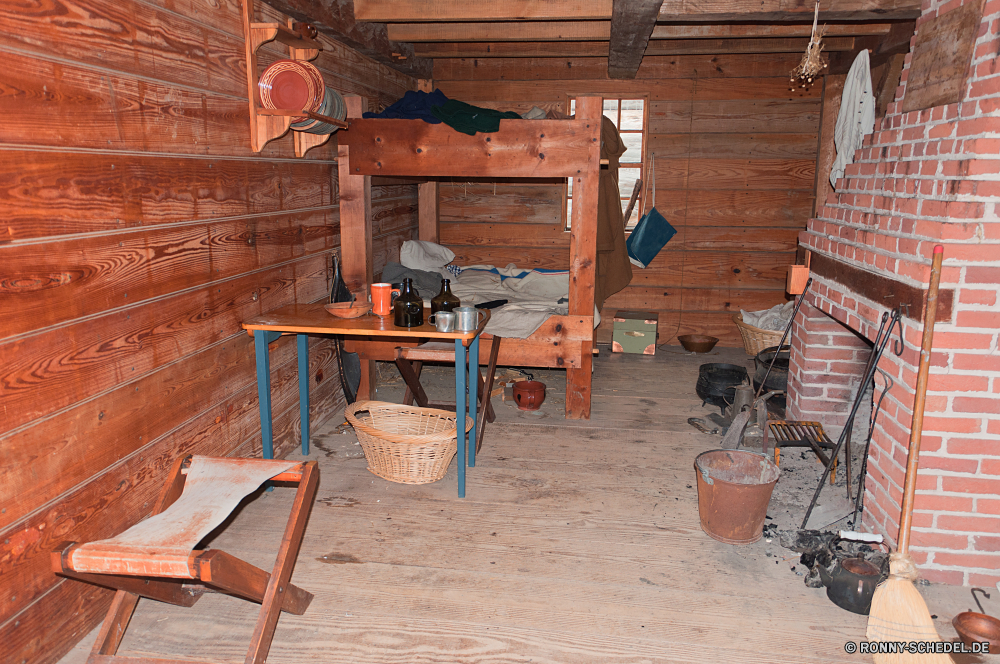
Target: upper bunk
521 148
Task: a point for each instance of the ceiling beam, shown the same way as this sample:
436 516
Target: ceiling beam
722 31
481 50
336 19
632 22
527 31
780 11
417 11
600 31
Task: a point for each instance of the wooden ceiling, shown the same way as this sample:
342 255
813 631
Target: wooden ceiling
409 34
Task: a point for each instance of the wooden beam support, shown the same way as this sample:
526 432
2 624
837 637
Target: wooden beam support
416 11
632 23
826 149
429 211
584 49
783 11
723 31
335 18
600 31
524 31
583 259
356 231
882 288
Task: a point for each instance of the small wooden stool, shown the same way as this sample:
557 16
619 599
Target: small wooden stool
410 362
156 557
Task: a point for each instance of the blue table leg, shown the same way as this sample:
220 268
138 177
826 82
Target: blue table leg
473 390
261 339
460 412
303 343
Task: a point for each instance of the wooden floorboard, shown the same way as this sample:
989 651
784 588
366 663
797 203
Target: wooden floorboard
579 542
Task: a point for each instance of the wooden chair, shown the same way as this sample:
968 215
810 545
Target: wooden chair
156 557
410 362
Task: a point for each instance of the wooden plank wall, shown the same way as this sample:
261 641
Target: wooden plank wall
138 231
735 162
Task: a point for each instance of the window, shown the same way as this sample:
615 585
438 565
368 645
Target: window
629 116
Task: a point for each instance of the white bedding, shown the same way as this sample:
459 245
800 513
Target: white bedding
532 295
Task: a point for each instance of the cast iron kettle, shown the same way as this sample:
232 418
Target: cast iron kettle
851 585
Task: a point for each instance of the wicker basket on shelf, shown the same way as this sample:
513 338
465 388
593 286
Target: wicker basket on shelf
405 444
754 338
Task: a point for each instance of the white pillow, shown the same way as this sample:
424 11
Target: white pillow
421 255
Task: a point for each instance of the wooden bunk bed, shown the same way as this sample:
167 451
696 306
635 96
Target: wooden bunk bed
522 149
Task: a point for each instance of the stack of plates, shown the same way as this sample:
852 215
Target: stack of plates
294 84
333 106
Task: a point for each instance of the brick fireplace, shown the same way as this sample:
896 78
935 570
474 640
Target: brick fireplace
923 178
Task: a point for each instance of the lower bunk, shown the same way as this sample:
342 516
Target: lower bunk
562 342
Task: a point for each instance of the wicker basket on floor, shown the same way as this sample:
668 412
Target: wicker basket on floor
405 444
754 338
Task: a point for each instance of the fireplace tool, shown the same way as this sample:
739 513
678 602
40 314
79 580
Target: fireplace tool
881 341
757 408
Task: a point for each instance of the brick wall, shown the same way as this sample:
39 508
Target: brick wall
923 178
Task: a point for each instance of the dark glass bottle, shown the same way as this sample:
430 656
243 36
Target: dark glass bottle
408 310
445 300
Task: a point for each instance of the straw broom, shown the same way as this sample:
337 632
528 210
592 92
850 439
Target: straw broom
898 611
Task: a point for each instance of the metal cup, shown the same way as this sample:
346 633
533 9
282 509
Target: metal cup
444 321
467 318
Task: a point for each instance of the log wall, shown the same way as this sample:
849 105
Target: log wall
735 162
139 230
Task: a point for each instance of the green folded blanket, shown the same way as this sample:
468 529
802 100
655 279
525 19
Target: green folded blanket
470 119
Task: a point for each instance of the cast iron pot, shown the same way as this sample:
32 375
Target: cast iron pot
777 380
717 383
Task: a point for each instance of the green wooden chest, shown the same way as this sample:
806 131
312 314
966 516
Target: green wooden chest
634 332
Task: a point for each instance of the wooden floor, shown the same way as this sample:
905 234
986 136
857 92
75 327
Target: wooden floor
578 542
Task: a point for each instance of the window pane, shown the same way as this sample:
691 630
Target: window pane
572 106
626 180
611 110
632 114
633 152
569 213
569 186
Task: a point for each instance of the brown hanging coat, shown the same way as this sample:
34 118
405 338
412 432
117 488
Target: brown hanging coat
614 271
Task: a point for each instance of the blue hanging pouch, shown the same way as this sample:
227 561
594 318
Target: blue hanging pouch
651 233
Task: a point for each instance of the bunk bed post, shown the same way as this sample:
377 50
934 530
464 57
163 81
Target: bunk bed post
428 213
356 232
583 261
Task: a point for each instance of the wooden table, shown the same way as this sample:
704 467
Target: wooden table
305 319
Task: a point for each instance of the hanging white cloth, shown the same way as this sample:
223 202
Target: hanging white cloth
856 118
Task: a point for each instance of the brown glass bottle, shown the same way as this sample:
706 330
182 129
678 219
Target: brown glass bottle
445 300
408 309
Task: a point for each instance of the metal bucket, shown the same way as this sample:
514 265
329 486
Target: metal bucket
734 488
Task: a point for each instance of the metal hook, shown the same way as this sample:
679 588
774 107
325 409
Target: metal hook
898 346
985 594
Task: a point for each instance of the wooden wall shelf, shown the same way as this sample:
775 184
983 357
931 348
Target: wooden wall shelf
269 124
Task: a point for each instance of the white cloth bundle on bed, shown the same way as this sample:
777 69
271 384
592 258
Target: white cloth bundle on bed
532 295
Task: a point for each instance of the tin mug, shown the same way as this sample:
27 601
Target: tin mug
467 318
382 298
444 321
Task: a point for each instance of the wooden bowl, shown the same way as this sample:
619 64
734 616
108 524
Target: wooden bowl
697 343
348 309
972 626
